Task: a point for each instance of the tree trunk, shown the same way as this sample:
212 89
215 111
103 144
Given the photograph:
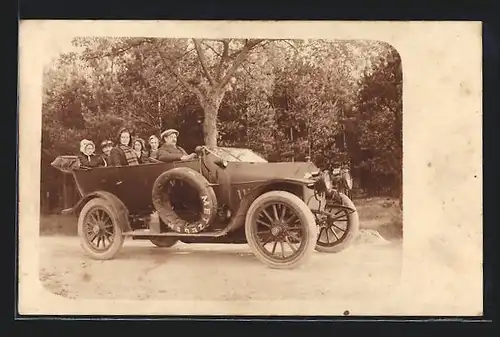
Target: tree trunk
211 108
65 191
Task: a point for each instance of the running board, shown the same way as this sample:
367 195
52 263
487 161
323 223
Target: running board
147 233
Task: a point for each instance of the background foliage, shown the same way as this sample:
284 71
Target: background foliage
285 99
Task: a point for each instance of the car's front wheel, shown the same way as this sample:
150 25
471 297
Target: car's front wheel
338 226
99 231
281 230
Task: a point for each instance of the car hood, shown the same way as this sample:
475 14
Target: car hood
243 172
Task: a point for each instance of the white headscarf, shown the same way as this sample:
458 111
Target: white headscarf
83 145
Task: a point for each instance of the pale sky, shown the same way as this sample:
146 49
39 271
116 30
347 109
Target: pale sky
57 45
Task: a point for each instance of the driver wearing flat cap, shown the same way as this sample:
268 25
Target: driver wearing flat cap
170 151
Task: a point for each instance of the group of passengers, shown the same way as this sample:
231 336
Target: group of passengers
133 151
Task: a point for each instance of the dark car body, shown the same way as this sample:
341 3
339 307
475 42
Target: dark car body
237 197
241 179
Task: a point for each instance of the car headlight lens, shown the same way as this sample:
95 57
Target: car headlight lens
348 179
323 183
327 181
310 175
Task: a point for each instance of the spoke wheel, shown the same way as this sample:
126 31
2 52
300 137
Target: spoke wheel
337 229
281 229
98 229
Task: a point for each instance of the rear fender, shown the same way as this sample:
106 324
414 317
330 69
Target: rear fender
117 205
290 185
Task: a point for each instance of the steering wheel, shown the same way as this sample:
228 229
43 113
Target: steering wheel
199 151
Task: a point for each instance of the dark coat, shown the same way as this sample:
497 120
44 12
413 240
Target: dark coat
117 157
153 154
169 153
144 158
93 160
106 159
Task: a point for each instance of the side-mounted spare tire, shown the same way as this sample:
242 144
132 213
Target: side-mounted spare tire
184 188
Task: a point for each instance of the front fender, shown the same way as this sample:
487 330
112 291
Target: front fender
292 185
117 205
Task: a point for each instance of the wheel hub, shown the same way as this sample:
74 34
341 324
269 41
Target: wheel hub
96 229
276 230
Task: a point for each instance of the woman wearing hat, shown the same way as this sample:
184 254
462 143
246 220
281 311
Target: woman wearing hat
87 156
106 146
123 154
154 143
170 151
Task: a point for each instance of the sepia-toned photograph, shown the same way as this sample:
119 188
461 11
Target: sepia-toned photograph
229 169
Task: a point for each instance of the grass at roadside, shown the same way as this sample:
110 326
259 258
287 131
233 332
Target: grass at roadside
58 225
381 214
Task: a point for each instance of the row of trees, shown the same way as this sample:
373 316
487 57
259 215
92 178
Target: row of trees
275 96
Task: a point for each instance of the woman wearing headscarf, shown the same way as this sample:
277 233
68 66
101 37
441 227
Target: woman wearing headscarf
123 154
154 144
87 156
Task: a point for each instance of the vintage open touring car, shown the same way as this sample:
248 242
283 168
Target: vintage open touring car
284 210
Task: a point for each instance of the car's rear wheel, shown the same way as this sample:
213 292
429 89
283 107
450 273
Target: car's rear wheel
338 228
281 230
163 242
99 230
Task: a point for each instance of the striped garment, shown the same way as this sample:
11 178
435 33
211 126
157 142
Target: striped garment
129 155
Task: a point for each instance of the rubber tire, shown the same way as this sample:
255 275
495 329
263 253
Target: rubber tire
304 213
193 178
352 230
118 238
164 242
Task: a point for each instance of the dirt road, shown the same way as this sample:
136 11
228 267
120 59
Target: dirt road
214 272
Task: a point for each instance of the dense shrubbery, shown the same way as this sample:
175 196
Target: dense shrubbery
318 98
